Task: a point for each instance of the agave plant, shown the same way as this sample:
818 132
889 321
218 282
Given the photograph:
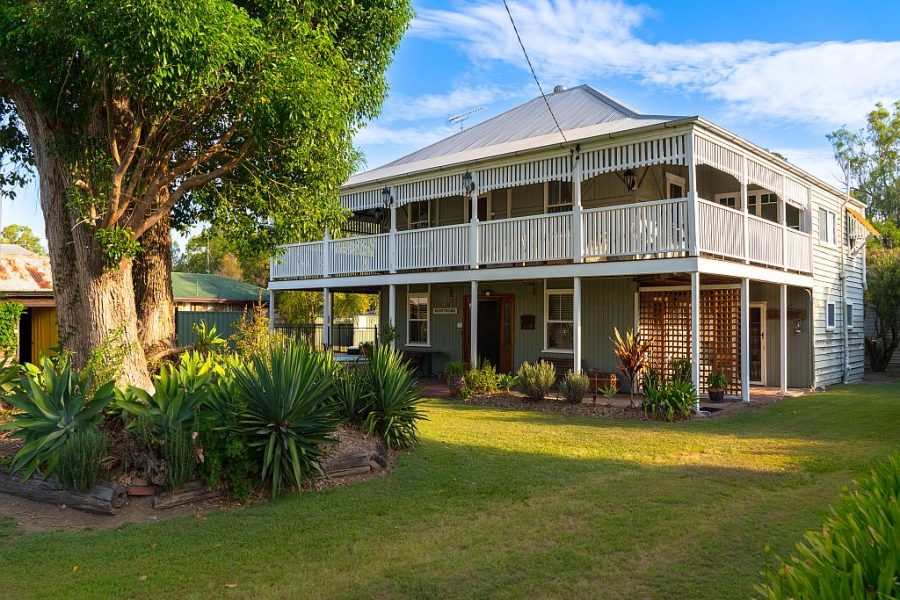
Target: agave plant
633 353
53 403
395 399
289 414
351 396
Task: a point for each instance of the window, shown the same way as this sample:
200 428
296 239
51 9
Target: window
417 318
418 215
730 199
768 207
559 196
849 315
559 311
826 226
675 186
829 316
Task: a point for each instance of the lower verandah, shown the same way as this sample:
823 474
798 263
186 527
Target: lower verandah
533 319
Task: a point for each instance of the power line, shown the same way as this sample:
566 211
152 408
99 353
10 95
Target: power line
533 74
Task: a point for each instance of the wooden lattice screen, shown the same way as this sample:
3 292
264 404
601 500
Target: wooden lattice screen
665 320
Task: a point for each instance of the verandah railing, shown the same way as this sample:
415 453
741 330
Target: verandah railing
647 229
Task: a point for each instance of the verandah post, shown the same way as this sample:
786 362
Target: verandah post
392 312
577 221
782 322
693 206
326 317
392 238
473 324
695 335
745 340
576 325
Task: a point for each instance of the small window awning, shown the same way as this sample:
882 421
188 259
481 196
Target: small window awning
865 222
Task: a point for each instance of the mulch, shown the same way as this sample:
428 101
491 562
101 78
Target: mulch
549 405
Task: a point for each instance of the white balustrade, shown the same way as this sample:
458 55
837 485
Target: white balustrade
798 258
433 247
525 239
298 260
765 241
721 230
657 227
362 254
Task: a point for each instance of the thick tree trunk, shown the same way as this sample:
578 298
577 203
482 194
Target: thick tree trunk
92 303
153 289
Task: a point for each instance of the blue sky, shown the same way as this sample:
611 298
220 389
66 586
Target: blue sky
782 74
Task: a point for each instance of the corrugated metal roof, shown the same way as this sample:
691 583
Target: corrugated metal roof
24 272
207 286
582 112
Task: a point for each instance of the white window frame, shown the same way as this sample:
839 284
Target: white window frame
560 292
427 295
547 206
830 224
672 178
726 196
830 309
850 314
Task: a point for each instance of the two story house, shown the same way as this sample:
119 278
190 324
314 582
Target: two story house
534 234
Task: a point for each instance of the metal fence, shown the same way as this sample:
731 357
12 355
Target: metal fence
223 321
343 335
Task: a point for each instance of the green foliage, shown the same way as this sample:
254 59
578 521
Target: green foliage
10 313
682 370
208 339
225 455
856 554
883 301
480 381
574 386
717 380
395 399
53 403
181 460
303 308
387 333
289 412
669 399
351 396
22 235
609 391
456 368
107 359
633 353
117 243
536 380
213 251
252 336
507 381
80 459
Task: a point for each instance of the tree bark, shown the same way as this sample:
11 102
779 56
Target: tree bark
92 302
153 289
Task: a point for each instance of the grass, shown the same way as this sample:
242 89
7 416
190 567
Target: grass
506 504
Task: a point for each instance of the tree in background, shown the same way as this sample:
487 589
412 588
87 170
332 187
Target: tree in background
208 252
135 113
883 299
302 308
22 235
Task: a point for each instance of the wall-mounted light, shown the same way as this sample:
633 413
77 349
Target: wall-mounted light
386 197
468 182
630 180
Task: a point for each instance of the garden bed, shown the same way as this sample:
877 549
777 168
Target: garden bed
586 408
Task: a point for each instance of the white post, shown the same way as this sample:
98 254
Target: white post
326 253
392 312
782 218
695 334
326 317
745 210
782 342
745 340
809 228
473 230
473 324
576 325
392 240
271 310
577 222
693 206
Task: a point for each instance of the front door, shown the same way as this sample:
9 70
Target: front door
758 343
495 330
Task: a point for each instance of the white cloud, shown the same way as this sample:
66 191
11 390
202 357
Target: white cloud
404 137
442 106
571 40
818 161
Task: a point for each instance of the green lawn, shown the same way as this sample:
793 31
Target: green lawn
507 504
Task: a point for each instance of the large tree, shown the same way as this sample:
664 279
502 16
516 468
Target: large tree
132 113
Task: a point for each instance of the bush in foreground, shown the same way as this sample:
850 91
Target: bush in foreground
857 552
537 379
574 387
394 410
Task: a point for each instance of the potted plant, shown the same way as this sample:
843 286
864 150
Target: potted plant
716 383
455 375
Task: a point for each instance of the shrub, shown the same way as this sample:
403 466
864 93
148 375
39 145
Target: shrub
80 459
289 412
253 336
53 403
350 394
507 381
224 456
669 399
536 380
633 354
207 339
609 391
455 368
395 399
717 380
480 381
10 313
855 554
181 460
106 360
574 386
682 370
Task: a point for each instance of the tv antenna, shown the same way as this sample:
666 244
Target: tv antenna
461 117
